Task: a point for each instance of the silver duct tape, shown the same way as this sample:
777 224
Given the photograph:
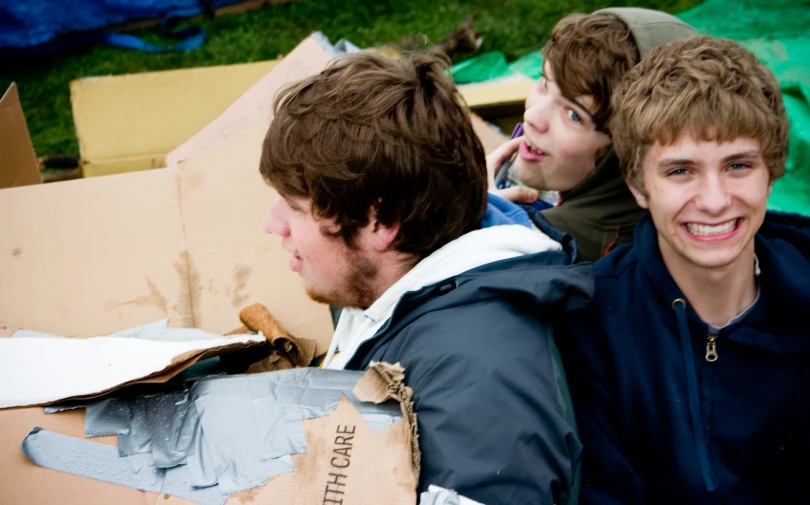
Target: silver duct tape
171 420
101 462
63 406
233 432
109 416
139 439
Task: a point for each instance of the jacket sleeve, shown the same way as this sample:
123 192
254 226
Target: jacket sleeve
489 409
608 477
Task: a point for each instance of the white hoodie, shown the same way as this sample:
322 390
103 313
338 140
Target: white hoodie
471 250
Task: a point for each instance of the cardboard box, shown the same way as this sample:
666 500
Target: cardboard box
129 122
18 165
93 256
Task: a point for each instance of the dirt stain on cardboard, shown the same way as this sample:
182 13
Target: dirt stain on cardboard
241 275
16 251
154 298
248 496
189 292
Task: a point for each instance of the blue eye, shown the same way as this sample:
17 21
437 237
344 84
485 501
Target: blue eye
573 116
678 171
738 166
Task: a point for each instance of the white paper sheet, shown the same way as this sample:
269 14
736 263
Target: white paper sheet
35 371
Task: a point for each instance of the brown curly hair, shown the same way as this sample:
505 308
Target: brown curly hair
390 134
588 54
712 89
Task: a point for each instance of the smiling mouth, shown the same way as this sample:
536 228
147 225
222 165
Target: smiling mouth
706 230
533 149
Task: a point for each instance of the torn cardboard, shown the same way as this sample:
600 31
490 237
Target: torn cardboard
18 165
232 432
160 111
385 381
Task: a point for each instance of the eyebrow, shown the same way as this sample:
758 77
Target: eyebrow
686 162
743 155
676 162
585 109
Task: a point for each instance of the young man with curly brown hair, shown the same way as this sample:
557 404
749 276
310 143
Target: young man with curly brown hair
688 368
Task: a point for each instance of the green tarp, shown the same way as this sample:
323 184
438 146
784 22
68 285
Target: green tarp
776 31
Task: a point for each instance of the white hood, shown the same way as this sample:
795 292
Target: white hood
469 251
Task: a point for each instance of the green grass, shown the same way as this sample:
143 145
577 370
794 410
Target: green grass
512 26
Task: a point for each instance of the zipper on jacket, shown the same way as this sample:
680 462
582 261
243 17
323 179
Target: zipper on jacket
701 446
711 348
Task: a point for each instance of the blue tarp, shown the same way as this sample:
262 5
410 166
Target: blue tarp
42 25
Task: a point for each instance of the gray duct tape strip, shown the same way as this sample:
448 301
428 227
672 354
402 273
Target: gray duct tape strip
108 416
232 432
101 462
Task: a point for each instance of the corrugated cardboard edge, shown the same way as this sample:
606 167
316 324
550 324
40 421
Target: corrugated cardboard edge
18 164
384 381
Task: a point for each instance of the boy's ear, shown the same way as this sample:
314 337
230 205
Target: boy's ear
377 235
638 194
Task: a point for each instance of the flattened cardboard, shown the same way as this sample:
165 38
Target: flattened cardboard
256 104
497 93
228 198
24 483
129 122
345 464
18 165
93 256
185 244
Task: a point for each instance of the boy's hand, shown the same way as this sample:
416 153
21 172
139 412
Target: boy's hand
517 194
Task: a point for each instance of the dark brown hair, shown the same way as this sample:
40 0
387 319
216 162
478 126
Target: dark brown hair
588 54
711 89
375 132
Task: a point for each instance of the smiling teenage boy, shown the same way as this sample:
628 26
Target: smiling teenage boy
564 142
687 371
382 190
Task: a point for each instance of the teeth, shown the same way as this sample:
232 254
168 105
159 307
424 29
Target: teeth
702 229
532 148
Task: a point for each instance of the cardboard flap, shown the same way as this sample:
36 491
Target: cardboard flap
159 111
256 104
94 256
18 165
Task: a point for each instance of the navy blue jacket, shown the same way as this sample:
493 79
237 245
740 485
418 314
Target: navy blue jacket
661 424
493 409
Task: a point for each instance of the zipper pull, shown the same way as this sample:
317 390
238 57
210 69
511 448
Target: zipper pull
711 348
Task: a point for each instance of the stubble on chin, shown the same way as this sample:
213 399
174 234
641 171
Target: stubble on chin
356 290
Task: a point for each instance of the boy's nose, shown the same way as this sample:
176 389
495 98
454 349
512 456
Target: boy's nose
712 196
536 115
275 220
